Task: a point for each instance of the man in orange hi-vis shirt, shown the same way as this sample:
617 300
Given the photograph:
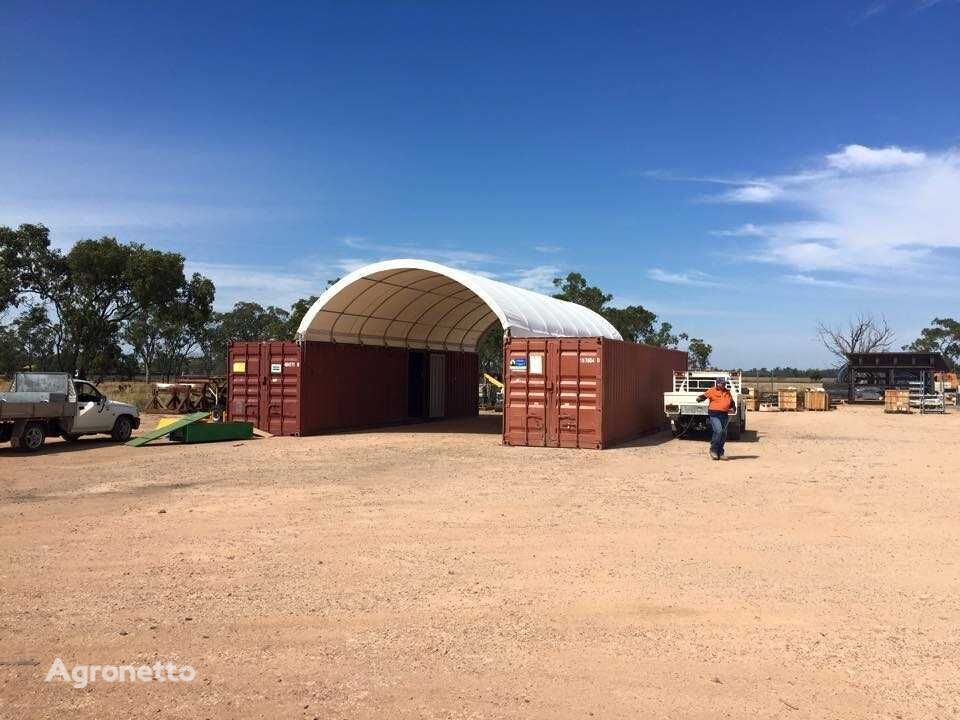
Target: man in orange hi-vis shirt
718 413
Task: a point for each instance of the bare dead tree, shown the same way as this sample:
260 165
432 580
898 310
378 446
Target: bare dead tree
863 334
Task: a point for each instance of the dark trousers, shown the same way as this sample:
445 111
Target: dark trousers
718 425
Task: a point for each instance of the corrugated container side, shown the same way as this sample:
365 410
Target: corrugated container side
264 385
584 392
351 386
243 382
525 393
463 376
289 388
577 383
634 379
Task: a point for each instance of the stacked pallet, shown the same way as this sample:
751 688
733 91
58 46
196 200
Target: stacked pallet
751 399
896 401
816 399
788 399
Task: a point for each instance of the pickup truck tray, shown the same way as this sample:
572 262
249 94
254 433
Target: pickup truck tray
27 405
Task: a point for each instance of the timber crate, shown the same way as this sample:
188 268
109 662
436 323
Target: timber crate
788 399
896 401
816 399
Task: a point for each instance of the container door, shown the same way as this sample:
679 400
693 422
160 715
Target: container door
438 385
577 393
244 382
280 387
525 411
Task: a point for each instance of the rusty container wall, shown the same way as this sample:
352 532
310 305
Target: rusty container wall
552 392
463 376
634 380
289 388
584 392
347 386
264 385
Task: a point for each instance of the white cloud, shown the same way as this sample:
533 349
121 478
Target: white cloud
748 194
800 279
354 241
263 284
538 278
698 279
860 157
867 210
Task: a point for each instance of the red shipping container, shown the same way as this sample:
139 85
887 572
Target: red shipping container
289 388
584 392
264 385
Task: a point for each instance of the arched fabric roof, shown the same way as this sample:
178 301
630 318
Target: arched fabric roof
421 304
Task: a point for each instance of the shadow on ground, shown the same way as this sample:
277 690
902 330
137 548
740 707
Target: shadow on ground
55 445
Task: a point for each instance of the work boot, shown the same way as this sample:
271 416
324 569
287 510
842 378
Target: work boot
714 455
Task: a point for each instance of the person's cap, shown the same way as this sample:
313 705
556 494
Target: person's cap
722 381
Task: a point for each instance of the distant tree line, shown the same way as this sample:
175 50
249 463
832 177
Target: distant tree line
120 309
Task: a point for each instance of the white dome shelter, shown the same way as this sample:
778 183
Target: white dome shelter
425 305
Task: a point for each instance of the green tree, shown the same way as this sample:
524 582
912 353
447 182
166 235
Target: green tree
245 321
297 311
34 338
943 336
169 335
699 353
9 353
490 350
23 255
95 297
634 322
573 288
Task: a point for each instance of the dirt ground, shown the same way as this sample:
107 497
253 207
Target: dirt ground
430 572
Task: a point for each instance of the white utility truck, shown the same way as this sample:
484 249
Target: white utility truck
43 404
686 414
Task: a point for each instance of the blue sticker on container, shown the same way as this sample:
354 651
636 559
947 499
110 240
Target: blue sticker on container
518 363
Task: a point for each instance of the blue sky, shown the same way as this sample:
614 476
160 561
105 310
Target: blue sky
743 169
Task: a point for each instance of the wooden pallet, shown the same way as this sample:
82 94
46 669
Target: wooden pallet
788 400
816 400
896 401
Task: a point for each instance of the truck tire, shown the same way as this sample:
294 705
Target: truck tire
31 439
122 429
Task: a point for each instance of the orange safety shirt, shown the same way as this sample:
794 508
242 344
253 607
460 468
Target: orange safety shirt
720 400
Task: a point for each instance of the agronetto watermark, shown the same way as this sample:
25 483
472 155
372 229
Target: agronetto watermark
82 675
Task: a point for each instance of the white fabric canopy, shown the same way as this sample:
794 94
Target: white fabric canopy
421 304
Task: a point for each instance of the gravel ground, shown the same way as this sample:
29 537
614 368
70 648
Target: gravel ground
430 572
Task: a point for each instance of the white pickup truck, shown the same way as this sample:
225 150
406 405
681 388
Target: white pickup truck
42 404
686 414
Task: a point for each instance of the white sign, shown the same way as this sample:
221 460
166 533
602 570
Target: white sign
536 363
276 367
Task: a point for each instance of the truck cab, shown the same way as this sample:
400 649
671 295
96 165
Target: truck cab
39 405
687 414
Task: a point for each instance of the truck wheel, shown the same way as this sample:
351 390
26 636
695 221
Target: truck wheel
122 429
31 439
